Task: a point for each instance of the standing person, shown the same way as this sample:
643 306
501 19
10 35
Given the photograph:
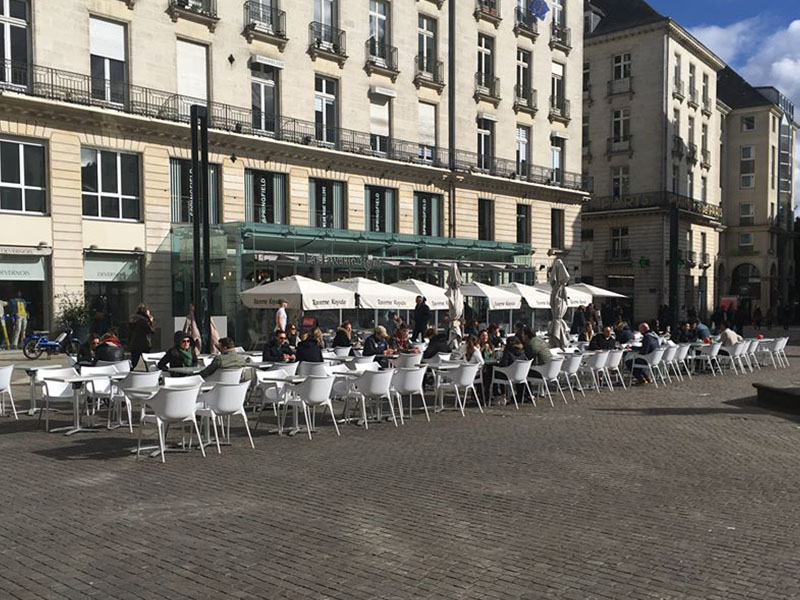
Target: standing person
140 334
182 354
422 315
578 321
281 318
757 317
3 305
19 311
190 327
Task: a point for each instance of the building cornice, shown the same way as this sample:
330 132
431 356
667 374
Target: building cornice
598 40
686 39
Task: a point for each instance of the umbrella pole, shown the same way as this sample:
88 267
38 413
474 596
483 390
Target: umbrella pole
376 317
510 318
340 316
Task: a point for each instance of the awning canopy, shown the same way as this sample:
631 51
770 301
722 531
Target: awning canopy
594 291
298 292
374 294
499 299
535 298
575 297
434 296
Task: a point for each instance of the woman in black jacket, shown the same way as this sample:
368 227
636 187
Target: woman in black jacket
182 354
310 349
141 328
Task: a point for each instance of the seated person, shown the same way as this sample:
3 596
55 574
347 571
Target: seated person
109 349
683 336
400 337
292 336
728 336
495 337
650 343
513 351
437 343
604 340
87 349
702 331
377 344
471 328
486 348
310 349
278 349
182 354
624 333
535 348
471 352
343 337
227 359
587 334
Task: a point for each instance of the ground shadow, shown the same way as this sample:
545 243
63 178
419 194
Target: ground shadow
91 448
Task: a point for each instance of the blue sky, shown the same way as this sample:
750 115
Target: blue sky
692 13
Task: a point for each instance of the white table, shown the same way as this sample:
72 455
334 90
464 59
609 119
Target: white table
78 381
291 380
31 373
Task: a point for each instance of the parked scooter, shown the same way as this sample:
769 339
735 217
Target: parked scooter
38 343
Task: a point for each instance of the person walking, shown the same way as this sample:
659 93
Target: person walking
140 333
281 317
19 311
422 315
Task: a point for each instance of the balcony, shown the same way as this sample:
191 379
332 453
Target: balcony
487 88
560 37
200 11
559 109
327 42
471 162
429 72
381 58
706 107
677 89
525 23
678 146
689 257
652 201
488 10
525 100
265 23
705 158
620 86
694 98
691 153
619 145
705 260
618 256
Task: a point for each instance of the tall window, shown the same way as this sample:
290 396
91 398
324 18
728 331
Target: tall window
692 79
381 209
557 85
691 130
690 184
622 67
621 125
620 181
428 214
485 219
485 143
746 214
676 122
379 30
703 244
772 167
379 123
427 131
557 228
265 196
264 96
14 19
705 91
557 159
676 179
559 15
585 132
110 184
748 123
485 60
328 203
747 167
587 76
426 44
746 242
23 177
523 224
704 189
620 247
180 173
676 71
704 137
523 150
325 109
107 57
325 12
192 70
523 72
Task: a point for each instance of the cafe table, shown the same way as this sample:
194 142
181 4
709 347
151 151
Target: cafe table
31 373
78 382
290 380
186 370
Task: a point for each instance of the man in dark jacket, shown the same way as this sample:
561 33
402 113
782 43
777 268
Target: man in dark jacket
87 350
109 349
603 340
376 344
343 337
437 342
140 333
422 315
650 343
278 349
182 354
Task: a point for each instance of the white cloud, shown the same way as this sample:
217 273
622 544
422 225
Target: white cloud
729 42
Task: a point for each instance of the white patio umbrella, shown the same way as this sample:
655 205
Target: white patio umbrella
435 296
594 291
300 293
558 330
377 295
499 299
575 297
455 306
535 297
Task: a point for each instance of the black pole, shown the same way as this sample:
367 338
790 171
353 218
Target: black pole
206 300
196 212
674 238
451 111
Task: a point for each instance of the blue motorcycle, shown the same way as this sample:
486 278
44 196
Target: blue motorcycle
38 343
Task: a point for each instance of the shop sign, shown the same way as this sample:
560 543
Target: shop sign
25 251
324 260
22 268
111 269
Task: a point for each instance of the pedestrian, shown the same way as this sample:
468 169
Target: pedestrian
140 333
182 354
422 315
757 317
281 318
18 309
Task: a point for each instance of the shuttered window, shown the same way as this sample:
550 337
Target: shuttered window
192 70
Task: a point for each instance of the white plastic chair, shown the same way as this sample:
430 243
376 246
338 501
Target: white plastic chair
314 391
123 366
516 374
666 361
373 385
227 376
151 360
406 360
709 356
183 382
409 381
569 370
306 369
780 350
549 372
5 390
613 367
462 377
100 389
652 362
171 405
54 391
595 366
359 361
680 359
342 351
752 354
732 355
289 368
134 380
224 400
272 392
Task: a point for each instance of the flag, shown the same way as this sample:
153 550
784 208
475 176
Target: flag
539 9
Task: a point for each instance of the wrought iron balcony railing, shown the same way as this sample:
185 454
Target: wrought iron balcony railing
693 97
620 86
706 108
260 18
525 98
487 86
381 55
559 108
206 8
325 38
472 162
677 88
653 200
561 36
525 22
678 146
488 9
428 71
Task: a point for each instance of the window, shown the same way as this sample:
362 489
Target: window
620 182
180 173
485 219
485 143
747 167
265 197
523 150
559 15
748 123
325 12
772 167
523 72
485 61
379 27
676 122
110 184
427 131
690 184
107 57
621 125
585 132
14 21
676 179
587 76
706 96
704 138
704 189
325 109
381 209
746 214
22 177
523 224
557 229
622 67
692 78
557 159
676 71
379 123
774 124
328 203
557 85
192 70
746 241
691 130
619 243
703 244
264 96
426 44
587 235
428 214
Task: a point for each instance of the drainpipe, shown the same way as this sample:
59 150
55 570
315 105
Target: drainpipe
451 111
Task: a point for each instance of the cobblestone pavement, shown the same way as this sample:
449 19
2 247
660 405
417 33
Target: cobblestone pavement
689 492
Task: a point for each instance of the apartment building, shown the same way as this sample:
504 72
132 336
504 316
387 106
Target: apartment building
651 143
347 137
757 263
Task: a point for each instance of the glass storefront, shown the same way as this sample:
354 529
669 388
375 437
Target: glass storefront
24 273
113 288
